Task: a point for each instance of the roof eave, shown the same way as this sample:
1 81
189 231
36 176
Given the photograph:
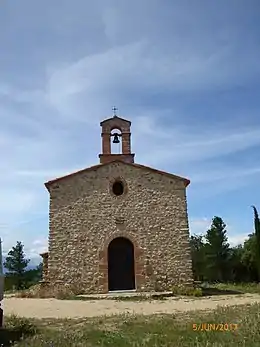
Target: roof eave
115 117
49 183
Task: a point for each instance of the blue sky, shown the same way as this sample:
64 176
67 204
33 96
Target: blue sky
186 73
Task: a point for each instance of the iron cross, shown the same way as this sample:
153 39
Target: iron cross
114 109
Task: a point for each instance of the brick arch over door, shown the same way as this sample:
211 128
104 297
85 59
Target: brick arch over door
103 262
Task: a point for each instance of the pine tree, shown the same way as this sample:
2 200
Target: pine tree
16 264
217 251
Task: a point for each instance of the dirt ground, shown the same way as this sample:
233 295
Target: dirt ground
53 308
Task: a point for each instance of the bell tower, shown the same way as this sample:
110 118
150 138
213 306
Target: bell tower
118 129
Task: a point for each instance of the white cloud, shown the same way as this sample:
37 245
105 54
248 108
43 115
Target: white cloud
230 173
138 66
22 96
199 226
235 240
186 146
38 246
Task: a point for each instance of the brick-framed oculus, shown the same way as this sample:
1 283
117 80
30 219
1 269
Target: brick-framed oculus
118 187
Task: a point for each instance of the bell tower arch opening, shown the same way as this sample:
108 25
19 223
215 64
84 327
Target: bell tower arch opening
116 140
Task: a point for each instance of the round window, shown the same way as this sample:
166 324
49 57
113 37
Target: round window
118 188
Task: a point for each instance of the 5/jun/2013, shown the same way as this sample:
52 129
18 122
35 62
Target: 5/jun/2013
214 327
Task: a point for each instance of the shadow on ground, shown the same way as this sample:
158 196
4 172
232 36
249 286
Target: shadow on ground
9 336
215 291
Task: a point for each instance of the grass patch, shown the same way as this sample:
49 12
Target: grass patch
146 331
187 291
238 287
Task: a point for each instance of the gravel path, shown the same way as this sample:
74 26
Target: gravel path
52 308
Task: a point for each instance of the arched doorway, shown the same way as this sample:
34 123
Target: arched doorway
121 267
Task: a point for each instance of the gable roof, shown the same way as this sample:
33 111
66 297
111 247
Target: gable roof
115 118
185 180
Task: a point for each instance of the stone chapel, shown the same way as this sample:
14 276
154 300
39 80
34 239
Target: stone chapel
118 225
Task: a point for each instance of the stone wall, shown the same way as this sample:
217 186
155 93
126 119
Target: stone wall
44 266
85 216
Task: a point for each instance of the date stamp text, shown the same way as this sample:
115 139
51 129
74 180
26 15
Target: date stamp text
214 327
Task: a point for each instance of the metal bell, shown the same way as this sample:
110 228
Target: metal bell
116 139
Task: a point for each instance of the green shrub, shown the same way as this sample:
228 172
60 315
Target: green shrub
21 324
187 291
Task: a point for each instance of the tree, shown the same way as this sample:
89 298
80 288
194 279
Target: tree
16 264
240 271
198 257
217 251
257 236
33 276
39 268
249 257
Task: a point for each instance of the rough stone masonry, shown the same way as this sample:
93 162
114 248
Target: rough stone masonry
94 210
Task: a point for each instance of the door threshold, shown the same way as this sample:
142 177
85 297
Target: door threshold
122 291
